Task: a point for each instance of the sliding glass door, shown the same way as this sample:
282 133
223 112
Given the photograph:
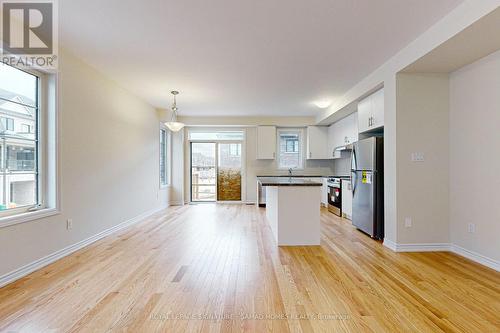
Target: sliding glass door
216 171
229 172
203 171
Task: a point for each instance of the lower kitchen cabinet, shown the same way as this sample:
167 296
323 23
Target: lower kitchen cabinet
347 199
324 193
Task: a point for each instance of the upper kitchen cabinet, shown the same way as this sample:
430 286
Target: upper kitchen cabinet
341 133
266 142
371 112
317 143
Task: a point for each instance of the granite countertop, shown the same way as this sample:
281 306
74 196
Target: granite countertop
286 181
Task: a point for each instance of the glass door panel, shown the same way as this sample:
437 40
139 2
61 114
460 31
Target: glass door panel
203 171
229 172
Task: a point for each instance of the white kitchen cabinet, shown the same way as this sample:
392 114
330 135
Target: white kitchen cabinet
371 112
324 192
346 199
317 143
349 129
333 138
364 114
378 109
341 133
266 142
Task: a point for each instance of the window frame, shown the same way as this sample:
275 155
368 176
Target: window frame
48 151
301 146
6 119
168 155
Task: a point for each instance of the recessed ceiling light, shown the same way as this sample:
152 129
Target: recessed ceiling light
323 104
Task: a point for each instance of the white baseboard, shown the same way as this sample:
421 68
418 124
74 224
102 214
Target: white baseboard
476 257
435 247
42 262
423 247
390 244
176 203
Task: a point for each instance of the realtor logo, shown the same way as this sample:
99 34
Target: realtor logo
29 33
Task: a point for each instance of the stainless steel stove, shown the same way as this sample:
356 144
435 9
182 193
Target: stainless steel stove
335 195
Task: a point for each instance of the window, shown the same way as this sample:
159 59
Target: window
292 145
7 124
25 128
163 157
290 149
19 150
235 149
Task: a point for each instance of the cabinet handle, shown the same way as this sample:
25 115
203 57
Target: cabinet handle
310 154
274 155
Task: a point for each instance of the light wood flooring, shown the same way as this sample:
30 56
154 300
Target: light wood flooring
218 266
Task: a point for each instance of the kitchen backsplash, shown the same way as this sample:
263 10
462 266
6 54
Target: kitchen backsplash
342 166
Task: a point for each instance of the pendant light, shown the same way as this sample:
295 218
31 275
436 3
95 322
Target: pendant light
173 124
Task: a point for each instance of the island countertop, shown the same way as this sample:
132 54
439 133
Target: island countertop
286 181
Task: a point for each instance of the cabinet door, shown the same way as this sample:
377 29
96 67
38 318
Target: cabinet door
324 192
351 125
334 140
378 109
317 143
266 142
346 199
364 114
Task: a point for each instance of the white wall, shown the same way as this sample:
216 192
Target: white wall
253 167
422 187
109 166
475 156
460 18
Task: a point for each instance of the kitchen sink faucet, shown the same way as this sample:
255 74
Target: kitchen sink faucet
290 172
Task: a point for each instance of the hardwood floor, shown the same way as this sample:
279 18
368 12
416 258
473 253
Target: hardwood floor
218 266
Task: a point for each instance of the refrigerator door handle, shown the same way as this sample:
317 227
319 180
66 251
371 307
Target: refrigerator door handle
353 182
354 163
354 167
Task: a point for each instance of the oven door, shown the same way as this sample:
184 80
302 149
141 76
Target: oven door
334 200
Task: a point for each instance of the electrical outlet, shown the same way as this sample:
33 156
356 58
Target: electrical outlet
69 224
417 157
471 227
407 222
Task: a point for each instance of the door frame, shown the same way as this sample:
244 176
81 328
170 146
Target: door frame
243 169
191 171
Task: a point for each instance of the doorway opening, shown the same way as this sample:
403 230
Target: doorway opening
216 169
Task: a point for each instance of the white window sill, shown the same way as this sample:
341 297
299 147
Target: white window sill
28 216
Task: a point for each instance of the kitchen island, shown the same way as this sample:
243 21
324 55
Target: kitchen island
293 210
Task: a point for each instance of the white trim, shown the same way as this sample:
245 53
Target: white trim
28 216
42 262
390 244
423 247
447 247
476 257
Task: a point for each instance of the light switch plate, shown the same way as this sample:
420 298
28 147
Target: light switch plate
408 222
417 157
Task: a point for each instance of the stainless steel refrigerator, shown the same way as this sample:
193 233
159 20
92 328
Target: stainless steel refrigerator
367 179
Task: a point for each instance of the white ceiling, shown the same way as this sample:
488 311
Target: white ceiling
242 58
